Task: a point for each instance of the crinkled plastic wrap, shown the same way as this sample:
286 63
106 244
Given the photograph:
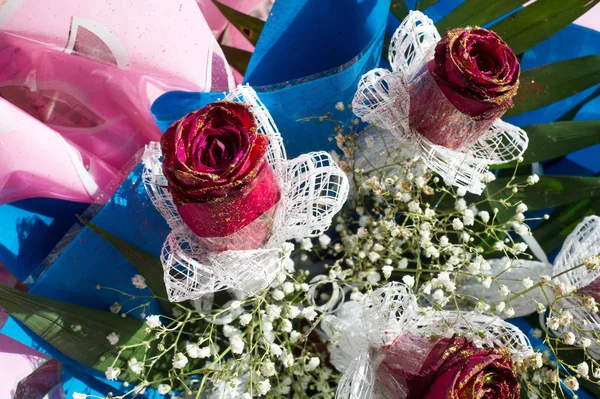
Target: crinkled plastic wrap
313 189
76 85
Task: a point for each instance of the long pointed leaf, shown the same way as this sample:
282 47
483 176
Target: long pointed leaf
77 331
238 59
554 191
423 4
476 12
572 113
148 265
399 9
538 21
552 140
552 233
550 83
250 26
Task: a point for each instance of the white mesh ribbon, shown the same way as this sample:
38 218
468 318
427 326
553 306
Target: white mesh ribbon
313 190
383 99
582 243
391 312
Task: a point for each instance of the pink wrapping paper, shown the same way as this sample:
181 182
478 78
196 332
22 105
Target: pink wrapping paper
84 80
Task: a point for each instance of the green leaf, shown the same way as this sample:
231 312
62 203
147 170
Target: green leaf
148 265
553 191
423 4
552 140
476 13
552 233
550 83
538 21
399 9
250 26
238 59
77 331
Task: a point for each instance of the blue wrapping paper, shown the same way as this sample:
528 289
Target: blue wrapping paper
302 66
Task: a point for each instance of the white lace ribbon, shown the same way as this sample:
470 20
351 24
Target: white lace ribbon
382 99
313 190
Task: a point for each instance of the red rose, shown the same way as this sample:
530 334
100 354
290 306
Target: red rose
467 86
453 369
214 162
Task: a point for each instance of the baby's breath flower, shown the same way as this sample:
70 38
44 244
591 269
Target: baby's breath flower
409 281
153 321
112 373
163 389
139 282
533 179
237 344
263 387
309 313
180 361
135 366
457 224
571 383
245 319
113 338
527 283
387 271
568 337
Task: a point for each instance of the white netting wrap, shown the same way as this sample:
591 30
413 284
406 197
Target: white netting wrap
391 312
383 99
313 190
583 242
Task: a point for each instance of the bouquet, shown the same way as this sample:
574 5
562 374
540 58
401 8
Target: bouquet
409 263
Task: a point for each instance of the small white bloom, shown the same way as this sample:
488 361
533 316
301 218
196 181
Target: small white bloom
487 282
139 282
180 360
263 387
519 217
468 217
565 317
488 177
520 247
309 313
461 191
288 287
163 389
498 246
267 369
293 312
286 326
569 338
403 263
409 281
278 295
484 216
414 207
192 350
153 321
553 323
540 308
312 364
444 241
112 338
521 208
115 308
245 319
438 295
527 283
374 256
500 307
510 312
237 344
77 395
112 373
276 350
295 337
571 383
533 179
457 224
387 271
135 366
373 277
586 342
460 204
339 106
504 291
324 240
597 372
429 213
591 262
306 244
304 287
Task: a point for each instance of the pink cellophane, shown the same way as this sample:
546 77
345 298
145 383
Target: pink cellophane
77 82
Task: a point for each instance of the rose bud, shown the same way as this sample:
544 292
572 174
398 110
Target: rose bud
453 367
215 166
468 84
